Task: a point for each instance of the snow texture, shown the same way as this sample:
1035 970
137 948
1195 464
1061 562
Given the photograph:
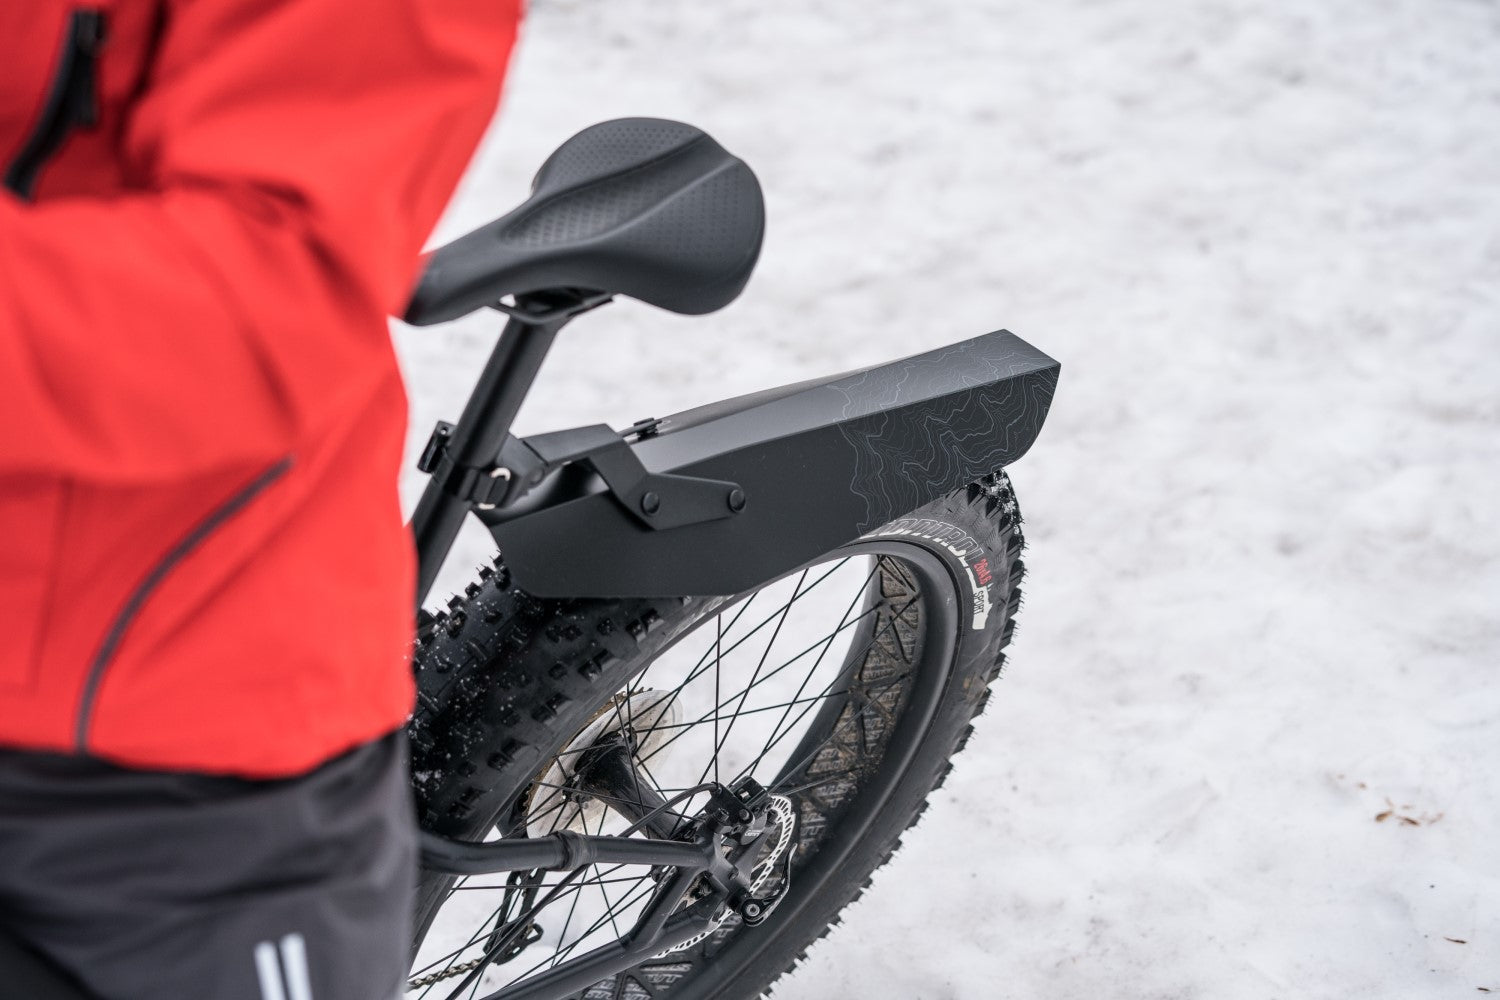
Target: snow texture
1263 238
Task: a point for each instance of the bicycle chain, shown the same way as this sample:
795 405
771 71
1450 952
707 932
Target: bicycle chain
448 973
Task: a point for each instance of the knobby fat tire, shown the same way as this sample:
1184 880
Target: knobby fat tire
505 678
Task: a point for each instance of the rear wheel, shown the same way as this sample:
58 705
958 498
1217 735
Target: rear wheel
843 688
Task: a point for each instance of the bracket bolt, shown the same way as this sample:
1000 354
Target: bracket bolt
736 500
650 503
752 910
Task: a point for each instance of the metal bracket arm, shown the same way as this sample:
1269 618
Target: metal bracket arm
658 501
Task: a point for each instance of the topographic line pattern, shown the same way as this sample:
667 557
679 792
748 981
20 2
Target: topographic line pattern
944 418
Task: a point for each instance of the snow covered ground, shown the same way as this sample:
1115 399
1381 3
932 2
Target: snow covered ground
1263 238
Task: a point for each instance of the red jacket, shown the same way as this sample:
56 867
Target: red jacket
202 561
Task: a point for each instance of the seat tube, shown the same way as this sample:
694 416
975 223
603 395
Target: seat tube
481 430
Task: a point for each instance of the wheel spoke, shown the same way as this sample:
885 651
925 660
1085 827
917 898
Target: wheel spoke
448 958
497 888
760 665
603 797
567 922
718 663
868 644
701 667
859 596
827 779
762 680
634 684
609 906
748 711
632 897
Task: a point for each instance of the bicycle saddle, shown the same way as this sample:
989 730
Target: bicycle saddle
653 209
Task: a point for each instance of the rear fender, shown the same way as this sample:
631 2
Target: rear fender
821 463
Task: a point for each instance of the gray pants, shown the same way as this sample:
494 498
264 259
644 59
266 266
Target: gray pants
163 886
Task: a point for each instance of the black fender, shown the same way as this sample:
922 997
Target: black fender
820 464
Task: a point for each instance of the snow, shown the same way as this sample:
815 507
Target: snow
1264 241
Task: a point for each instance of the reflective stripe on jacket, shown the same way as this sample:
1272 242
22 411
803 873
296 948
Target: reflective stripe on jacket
210 207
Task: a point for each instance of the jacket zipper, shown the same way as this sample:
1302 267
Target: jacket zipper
72 101
152 580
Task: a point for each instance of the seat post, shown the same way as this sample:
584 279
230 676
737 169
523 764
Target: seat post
476 439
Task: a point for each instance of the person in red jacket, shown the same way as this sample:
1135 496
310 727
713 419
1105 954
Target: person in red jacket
210 208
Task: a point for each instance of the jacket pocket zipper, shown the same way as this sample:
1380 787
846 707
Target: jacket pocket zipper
72 101
153 579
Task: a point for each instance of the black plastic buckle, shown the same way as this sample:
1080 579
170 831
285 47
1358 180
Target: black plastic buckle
485 488
437 445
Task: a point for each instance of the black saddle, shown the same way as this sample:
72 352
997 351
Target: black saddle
653 209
